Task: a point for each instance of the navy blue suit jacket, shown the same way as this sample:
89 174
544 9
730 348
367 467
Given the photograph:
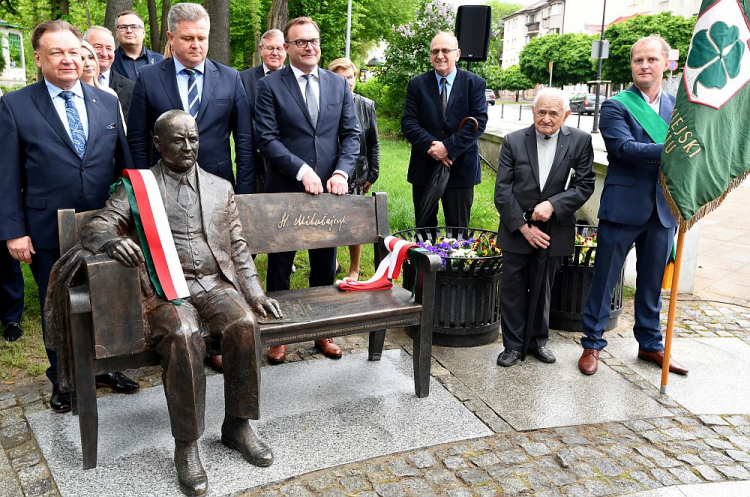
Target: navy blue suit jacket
224 109
41 171
250 78
119 66
287 138
632 187
423 124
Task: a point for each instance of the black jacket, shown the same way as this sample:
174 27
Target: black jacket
368 161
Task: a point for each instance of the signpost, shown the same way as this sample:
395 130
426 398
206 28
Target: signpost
674 56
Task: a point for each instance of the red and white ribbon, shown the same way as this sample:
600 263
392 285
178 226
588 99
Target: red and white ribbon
388 270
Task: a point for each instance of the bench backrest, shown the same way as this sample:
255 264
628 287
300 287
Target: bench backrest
281 222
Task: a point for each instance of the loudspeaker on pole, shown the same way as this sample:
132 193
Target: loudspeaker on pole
473 32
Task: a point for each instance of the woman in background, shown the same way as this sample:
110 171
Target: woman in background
90 74
368 162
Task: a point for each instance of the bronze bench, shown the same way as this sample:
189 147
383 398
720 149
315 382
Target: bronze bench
108 330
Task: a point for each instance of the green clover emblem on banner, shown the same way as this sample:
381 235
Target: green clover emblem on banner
718 50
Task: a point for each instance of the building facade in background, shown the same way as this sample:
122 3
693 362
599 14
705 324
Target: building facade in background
12 51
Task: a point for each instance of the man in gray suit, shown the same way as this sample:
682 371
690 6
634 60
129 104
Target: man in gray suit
225 296
545 176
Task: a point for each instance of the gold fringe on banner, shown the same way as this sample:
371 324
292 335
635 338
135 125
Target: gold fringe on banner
686 224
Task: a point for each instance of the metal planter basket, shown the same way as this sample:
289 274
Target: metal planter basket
467 304
572 284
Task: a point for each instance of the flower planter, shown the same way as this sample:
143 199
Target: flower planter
572 284
467 305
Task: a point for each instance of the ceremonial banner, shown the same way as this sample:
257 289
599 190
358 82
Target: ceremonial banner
707 150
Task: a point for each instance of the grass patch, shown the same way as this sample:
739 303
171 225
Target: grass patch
27 356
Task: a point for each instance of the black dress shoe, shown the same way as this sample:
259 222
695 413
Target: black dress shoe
118 382
237 434
12 332
543 354
508 357
60 401
190 472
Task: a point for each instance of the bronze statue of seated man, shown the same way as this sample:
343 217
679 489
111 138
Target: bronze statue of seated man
225 295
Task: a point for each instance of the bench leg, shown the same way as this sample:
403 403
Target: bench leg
375 348
85 394
422 358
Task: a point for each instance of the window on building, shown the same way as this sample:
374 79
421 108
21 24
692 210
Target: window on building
529 18
14 49
556 9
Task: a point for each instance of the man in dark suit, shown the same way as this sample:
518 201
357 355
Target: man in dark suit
308 132
545 176
131 56
104 44
273 53
11 295
209 91
63 146
224 296
633 209
436 104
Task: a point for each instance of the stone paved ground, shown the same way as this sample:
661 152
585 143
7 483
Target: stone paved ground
599 459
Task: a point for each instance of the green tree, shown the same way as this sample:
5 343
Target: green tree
490 70
513 79
571 54
500 10
676 30
331 18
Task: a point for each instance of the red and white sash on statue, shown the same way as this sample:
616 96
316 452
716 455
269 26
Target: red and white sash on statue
388 270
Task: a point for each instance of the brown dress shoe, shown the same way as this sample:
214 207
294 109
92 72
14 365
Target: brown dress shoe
658 359
329 348
277 354
589 361
216 363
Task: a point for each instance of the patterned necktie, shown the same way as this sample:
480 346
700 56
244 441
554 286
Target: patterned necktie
444 94
194 100
74 122
312 103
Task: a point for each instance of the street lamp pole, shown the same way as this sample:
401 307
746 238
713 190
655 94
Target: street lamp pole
595 129
349 28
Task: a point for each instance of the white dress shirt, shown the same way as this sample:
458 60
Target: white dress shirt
59 103
182 81
104 78
545 152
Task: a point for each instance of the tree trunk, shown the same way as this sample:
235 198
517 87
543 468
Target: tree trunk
153 26
114 7
165 6
218 39
59 8
278 14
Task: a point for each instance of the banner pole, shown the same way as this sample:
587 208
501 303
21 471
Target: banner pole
672 307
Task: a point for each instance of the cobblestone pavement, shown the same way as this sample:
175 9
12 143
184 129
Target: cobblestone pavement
599 459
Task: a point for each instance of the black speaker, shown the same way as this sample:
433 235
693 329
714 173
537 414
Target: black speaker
473 32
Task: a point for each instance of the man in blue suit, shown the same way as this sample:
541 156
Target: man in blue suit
633 208
274 54
436 104
308 132
131 56
209 91
63 146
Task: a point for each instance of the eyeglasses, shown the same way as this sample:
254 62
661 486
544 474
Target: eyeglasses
273 49
303 43
131 27
444 51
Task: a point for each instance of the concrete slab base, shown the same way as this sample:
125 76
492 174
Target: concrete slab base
719 378
315 414
533 395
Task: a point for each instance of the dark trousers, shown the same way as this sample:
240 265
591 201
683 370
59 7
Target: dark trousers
322 269
516 280
653 243
456 206
176 335
11 287
41 267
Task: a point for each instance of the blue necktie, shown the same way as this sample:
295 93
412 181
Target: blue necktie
74 122
194 100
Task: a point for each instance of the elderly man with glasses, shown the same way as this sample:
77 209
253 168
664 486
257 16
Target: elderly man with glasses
436 104
131 55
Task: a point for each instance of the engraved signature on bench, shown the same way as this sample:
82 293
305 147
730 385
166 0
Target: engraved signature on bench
313 220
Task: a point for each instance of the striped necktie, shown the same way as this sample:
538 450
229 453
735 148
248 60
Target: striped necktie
194 100
74 122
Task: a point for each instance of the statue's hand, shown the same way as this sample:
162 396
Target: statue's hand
263 305
126 251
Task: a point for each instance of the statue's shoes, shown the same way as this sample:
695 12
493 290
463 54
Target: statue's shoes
237 434
190 472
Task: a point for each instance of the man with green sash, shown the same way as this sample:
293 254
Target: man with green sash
633 209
